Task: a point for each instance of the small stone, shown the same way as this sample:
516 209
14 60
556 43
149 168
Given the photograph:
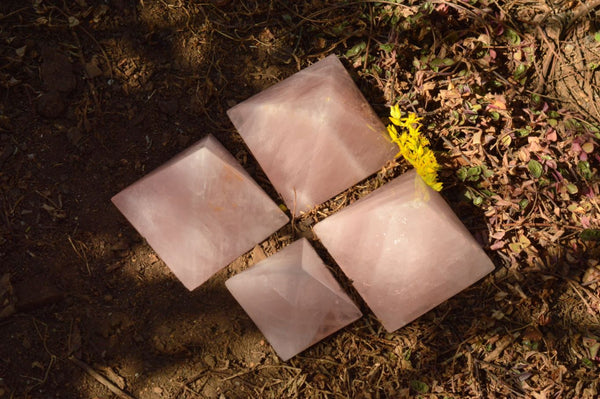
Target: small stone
404 249
57 71
92 70
157 390
7 310
293 299
200 211
169 106
210 361
51 105
74 135
313 134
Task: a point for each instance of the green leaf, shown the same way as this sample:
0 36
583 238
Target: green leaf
473 173
477 201
554 114
584 169
419 386
515 247
520 71
587 362
590 235
535 168
487 172
524 132
387 47
438 62
597 37
513 37
593 128
573 124
357 49
523 203
462 174
588 147
572 189
506 140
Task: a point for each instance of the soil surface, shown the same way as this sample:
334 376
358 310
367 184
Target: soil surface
94 95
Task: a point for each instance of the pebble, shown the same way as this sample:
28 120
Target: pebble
50 105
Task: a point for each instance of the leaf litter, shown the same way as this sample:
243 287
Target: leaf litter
519 166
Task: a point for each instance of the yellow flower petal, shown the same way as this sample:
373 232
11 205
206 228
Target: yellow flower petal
395 112
395 121
393 133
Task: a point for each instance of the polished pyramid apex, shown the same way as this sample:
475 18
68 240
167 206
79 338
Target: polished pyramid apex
200 211
293 299
313 134
404 249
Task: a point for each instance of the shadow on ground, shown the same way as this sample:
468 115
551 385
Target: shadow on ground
141 82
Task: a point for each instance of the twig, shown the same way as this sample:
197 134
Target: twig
101 379
81 255
10 14
184 385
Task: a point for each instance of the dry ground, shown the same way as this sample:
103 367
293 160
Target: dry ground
94 94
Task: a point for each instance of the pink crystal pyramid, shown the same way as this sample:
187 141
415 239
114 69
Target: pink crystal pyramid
293 299
200 211
313 134
404 249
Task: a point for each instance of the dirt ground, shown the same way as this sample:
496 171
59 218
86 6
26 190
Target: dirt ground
95 94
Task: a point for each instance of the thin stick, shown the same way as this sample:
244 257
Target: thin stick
81 255
101 379
10 14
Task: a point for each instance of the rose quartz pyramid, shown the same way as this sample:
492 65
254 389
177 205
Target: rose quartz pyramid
293 299
404 249
313 134
200 211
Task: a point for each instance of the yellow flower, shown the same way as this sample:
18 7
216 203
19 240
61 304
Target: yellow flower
413 146
410 121
395 115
